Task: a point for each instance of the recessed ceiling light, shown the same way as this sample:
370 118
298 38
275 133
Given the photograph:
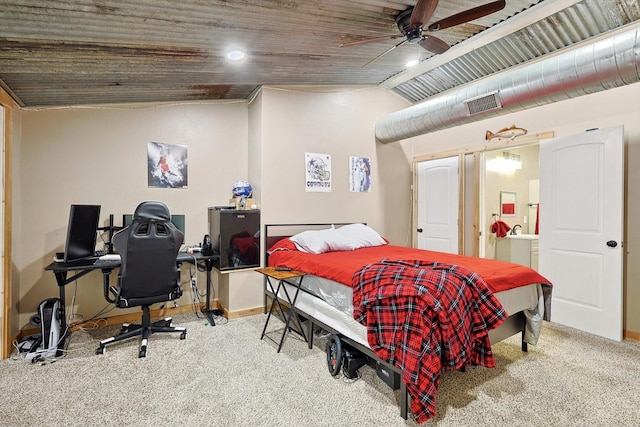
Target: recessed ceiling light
411 63
235 55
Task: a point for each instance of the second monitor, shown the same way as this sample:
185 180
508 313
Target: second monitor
177 220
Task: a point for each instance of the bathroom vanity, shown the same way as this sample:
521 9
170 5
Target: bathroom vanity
519 249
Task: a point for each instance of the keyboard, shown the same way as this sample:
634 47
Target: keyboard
99 253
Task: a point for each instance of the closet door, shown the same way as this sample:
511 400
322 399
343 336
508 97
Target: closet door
438 204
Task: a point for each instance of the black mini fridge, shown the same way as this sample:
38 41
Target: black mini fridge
235 235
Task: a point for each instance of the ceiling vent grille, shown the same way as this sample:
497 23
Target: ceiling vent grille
483 103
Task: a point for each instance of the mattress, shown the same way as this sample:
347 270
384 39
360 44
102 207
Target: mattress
330 302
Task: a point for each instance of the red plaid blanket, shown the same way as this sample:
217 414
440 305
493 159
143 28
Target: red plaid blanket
424 317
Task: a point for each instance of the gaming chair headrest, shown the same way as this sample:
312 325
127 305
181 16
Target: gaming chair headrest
151 210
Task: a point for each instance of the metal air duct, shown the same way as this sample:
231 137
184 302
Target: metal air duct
602 65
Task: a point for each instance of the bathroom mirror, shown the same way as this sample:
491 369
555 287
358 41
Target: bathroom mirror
507 203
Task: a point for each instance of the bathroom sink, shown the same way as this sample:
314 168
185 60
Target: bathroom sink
523 236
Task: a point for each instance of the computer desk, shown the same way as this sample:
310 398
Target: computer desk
79 268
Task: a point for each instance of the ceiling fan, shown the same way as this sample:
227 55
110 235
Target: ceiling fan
412 25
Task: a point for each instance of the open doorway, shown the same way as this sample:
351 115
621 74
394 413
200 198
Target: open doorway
511 195
479 191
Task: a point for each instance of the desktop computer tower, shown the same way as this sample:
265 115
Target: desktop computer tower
48 319
235 235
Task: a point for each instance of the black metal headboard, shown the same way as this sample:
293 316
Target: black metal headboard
273 233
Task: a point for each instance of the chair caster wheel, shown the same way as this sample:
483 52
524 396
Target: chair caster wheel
183 335
100 350
143 353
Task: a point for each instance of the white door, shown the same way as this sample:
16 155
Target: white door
581 229
438 205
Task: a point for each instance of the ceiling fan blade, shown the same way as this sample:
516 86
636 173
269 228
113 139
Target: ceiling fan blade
375 39
422 12
385 52
434 44
468 15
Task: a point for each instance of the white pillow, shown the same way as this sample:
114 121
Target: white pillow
321 241
361 236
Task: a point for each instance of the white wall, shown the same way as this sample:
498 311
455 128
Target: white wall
98 155
600 110
340 123
284 123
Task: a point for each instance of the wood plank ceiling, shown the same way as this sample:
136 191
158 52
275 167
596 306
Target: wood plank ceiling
79 52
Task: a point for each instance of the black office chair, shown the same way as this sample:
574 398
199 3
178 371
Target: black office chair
148 273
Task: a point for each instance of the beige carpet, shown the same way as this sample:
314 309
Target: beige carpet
226 376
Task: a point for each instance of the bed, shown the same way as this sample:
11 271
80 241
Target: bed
342 261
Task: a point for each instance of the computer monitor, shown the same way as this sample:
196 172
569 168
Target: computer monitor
81 232
127 219
177 220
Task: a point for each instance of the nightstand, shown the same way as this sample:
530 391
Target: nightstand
281 296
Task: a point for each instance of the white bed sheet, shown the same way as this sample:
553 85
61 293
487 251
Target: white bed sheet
330 302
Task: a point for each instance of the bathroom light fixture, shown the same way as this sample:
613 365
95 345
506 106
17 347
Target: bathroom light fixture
411 63
506 164
514 159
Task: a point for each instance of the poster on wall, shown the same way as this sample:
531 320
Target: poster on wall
167 165
318 172
359 174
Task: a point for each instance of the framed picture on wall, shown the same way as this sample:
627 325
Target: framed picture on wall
508 203
317 172
359 174
167 165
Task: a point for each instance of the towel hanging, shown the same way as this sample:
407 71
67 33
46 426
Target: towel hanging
501 228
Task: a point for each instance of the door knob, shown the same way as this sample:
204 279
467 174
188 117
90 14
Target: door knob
419 230
612 243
